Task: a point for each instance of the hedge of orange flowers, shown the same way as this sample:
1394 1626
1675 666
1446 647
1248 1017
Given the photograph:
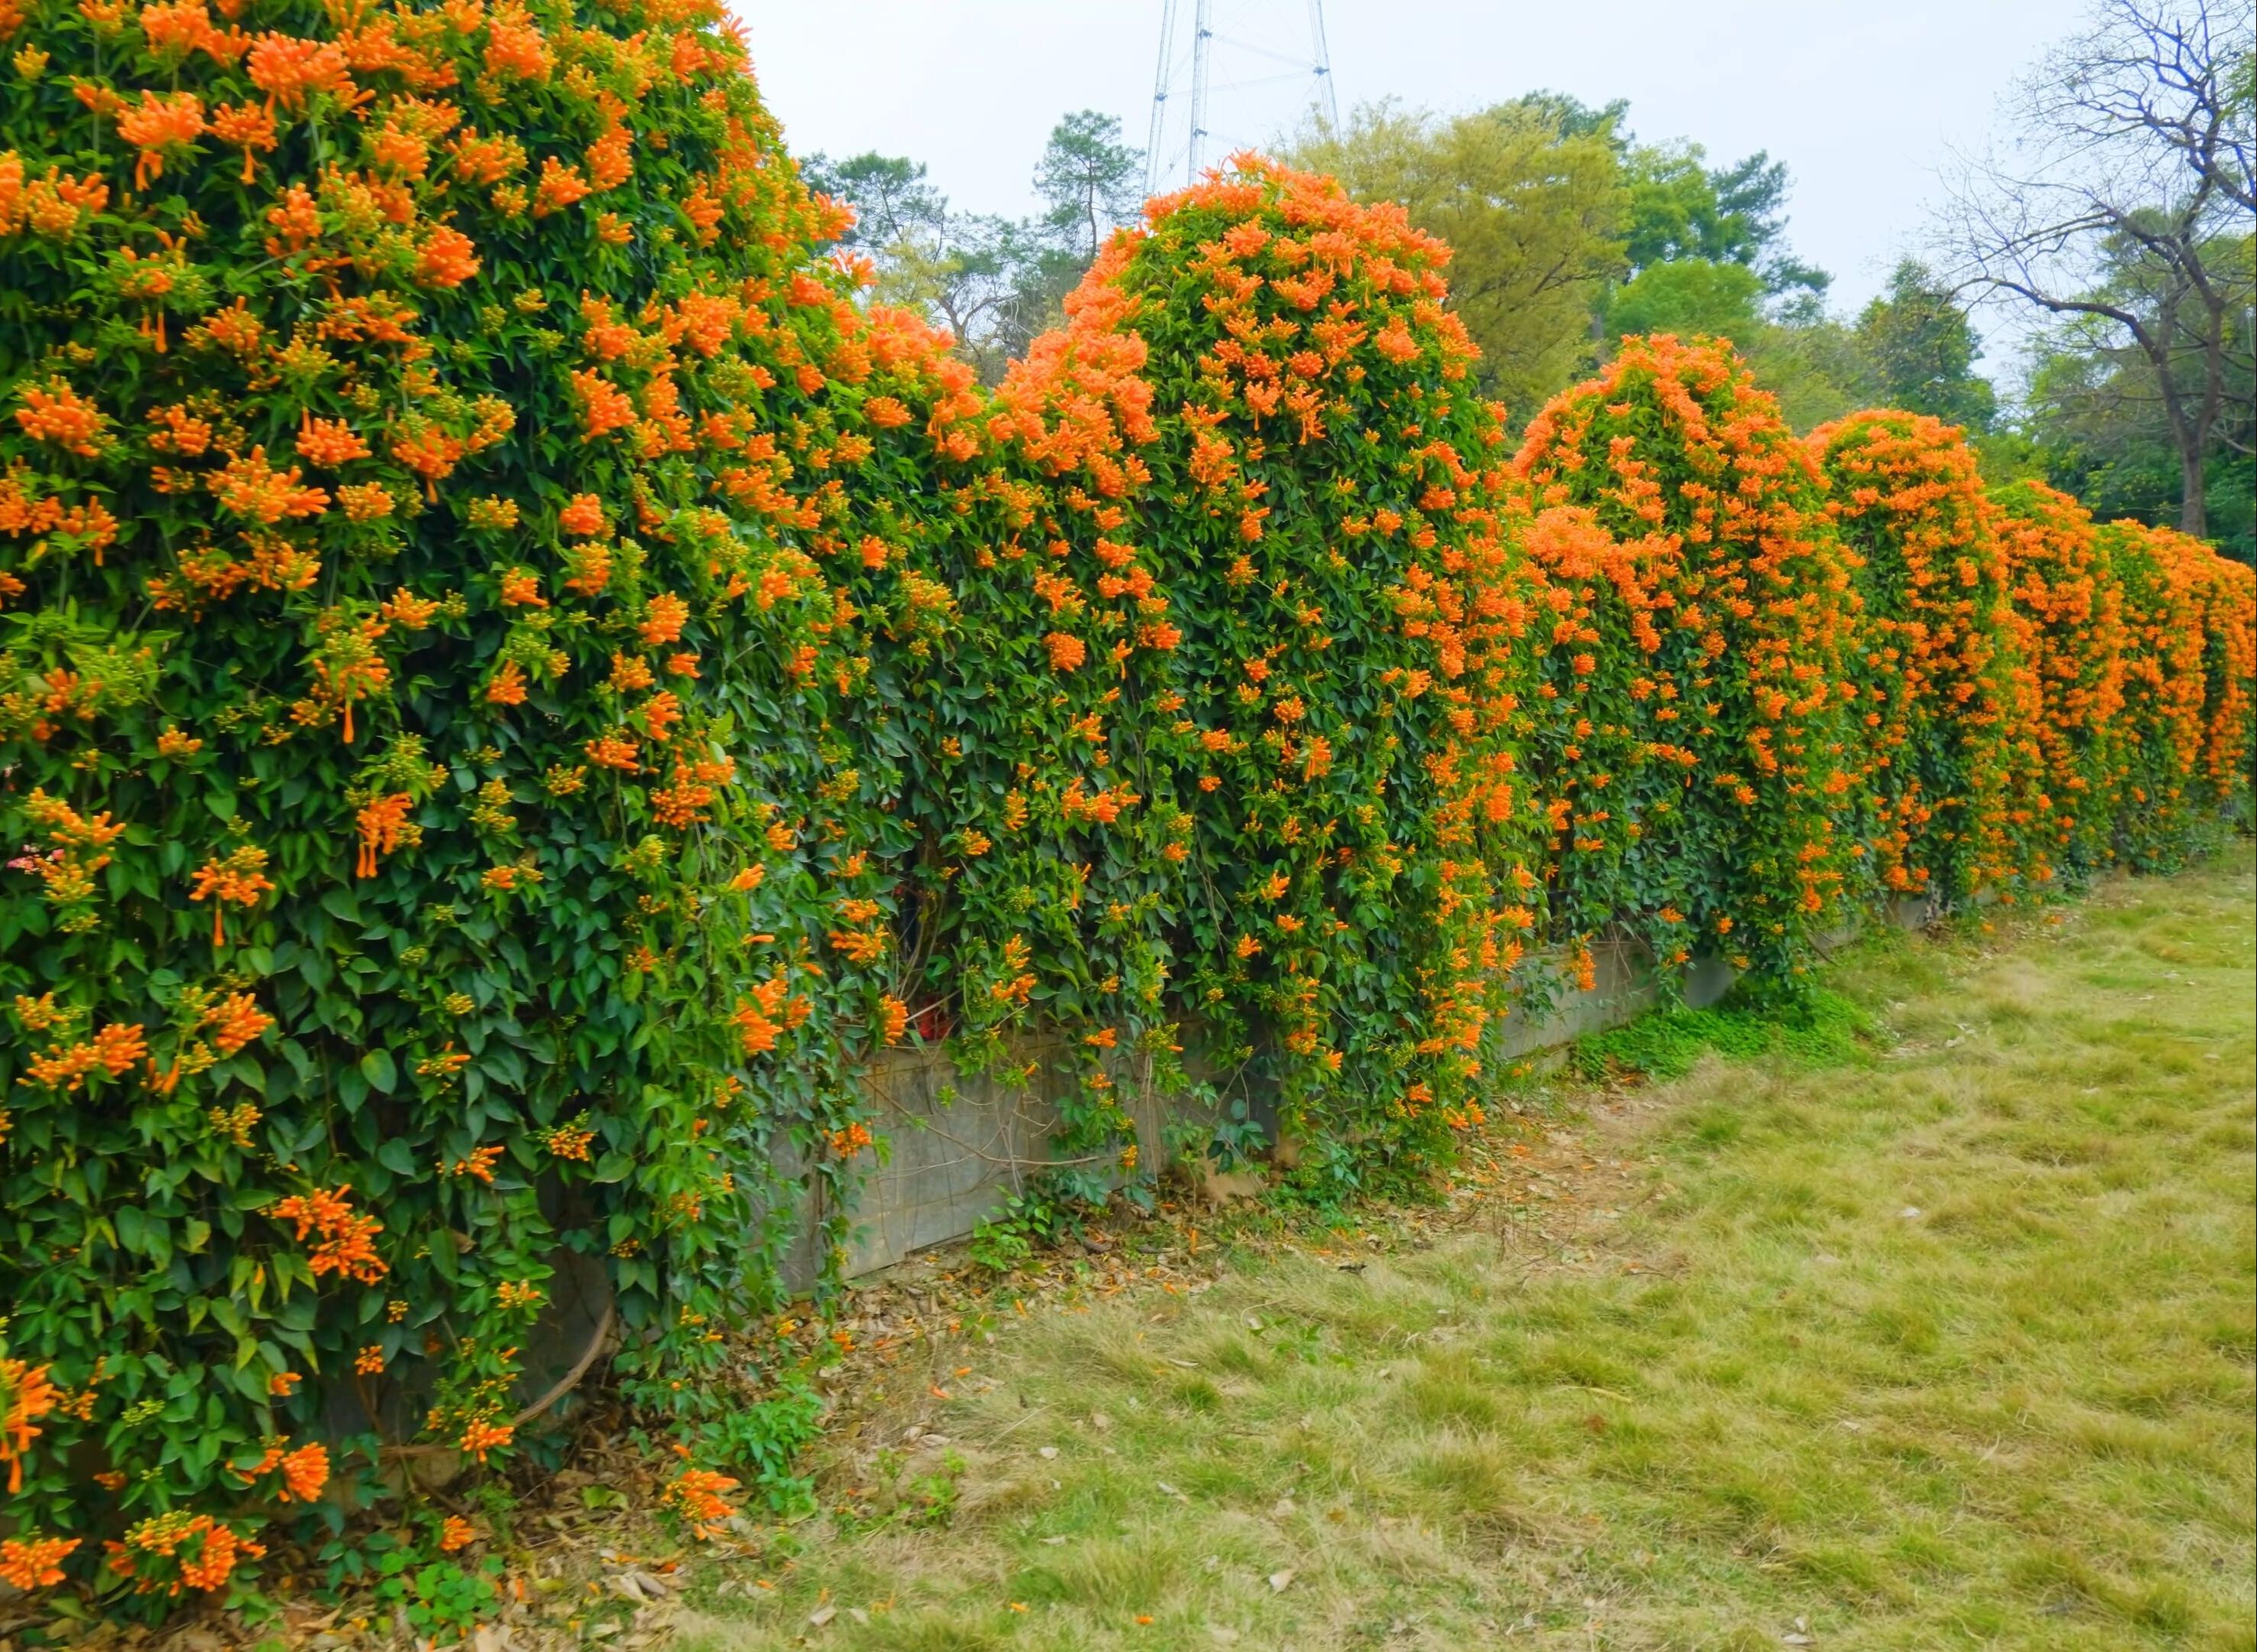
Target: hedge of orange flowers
517 684
432 728
1945 677
1700 748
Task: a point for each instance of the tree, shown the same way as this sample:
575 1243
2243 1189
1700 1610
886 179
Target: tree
1529 197
888 193
1689 296
1682 209
1921 351
2099 429
995 282
1092 181
2121 196
1815 366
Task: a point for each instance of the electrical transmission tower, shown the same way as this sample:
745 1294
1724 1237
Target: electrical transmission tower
1250 70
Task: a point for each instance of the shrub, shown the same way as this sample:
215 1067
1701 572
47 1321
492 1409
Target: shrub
2062 587
1951 704
2164 691
427 717
1031 648
516 683
2227 598
1327 503
1688 723
1169 756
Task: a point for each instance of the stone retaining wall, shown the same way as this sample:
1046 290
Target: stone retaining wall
953 1161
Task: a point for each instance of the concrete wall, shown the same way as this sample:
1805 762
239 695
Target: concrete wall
953 1161
959 1145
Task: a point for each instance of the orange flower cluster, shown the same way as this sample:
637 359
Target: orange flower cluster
700 1497
36 1563
1947 691
170 1552
237 878
346 1245
305 1471
2072 609
28 1395
1687 721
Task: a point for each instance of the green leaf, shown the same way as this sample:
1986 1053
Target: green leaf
377 1066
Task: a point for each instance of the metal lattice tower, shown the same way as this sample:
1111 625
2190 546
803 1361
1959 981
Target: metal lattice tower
1234 83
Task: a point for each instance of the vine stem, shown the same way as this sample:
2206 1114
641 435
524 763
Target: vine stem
562 1387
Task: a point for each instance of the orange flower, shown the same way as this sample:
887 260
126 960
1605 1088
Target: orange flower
305 1473
330 442
114 1049
604 407
584 514
893 1020
506 686
36 1563
446 259
570 1141
346 1242
1067 651
205 1549
700 1497
660 713
25 1395
237 878
482 1436
290 71
56 413
384 827
159 124
613 752
244 126
560 186
664 619
479 1165
255 490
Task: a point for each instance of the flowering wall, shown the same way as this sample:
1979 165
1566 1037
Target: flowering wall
515 680
1701 745
1943 668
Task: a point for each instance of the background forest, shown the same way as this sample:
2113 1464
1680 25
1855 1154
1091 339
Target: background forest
2119 276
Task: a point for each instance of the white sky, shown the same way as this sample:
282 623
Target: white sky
1860 100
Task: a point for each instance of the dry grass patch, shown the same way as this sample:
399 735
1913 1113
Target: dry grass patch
1949 1344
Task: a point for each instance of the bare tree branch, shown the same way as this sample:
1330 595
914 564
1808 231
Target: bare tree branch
2121 193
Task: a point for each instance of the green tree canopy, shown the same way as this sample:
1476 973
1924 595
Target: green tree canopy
1921 351
1689 296
1092 181
995 282
1682 209
1529 197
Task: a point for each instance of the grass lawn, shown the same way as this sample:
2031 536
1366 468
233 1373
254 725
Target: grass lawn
1947 1345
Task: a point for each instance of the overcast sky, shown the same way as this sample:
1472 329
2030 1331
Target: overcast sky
1860 100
